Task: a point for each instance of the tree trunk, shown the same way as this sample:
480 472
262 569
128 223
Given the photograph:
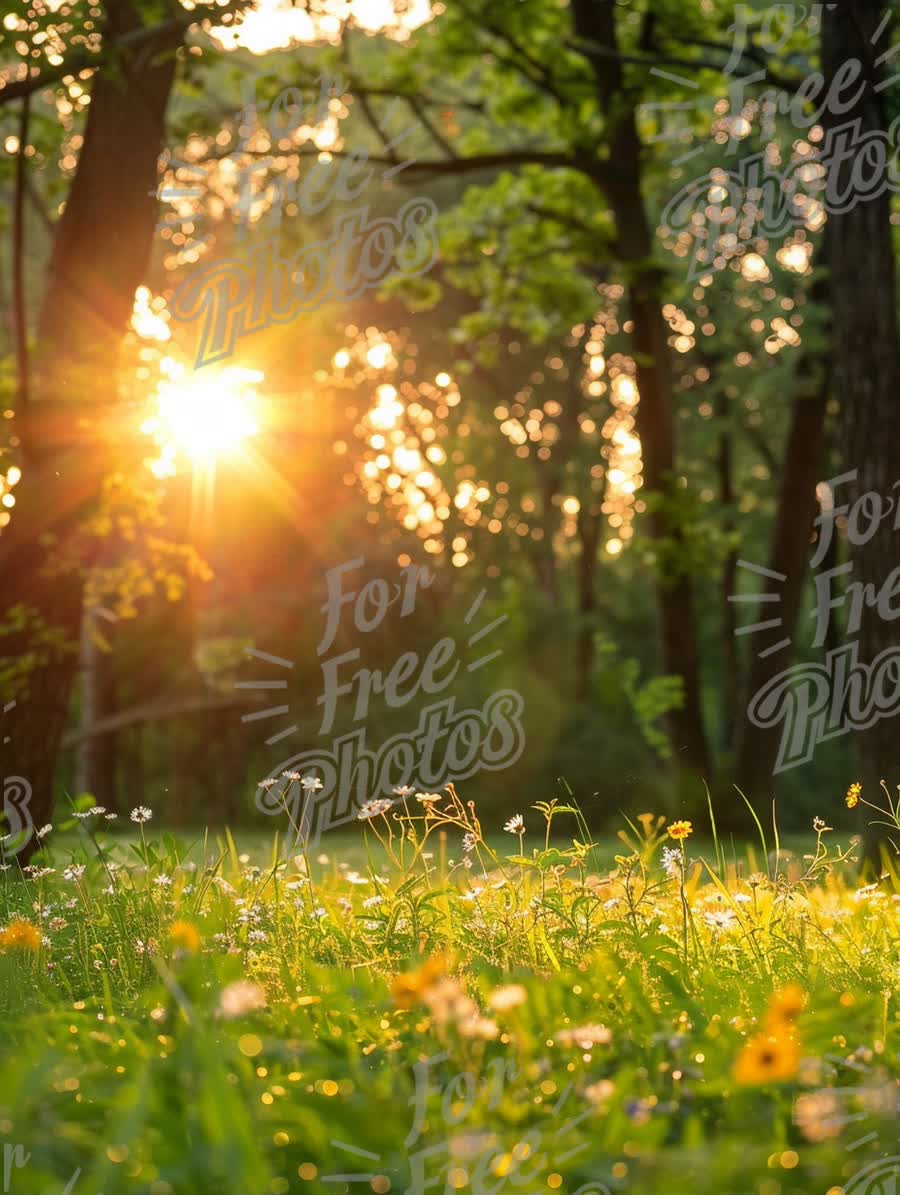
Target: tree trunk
99 255
865 342
585 650
654 416
731 681
95 770
757 747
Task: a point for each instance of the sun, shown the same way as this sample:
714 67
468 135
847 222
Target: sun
206 418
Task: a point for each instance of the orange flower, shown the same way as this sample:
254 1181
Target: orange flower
852 797
679 830
22 934
185 936
784 1008
408 988
767 1058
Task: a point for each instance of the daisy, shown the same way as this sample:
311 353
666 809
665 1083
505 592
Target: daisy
141 814
515 825
680 830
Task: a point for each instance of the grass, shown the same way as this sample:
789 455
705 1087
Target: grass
556 1015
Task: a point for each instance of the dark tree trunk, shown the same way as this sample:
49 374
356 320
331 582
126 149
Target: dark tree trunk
96 757
863 297
595 21
99 255
731 681
757 747
589 522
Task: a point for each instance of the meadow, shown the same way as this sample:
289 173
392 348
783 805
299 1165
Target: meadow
454 1011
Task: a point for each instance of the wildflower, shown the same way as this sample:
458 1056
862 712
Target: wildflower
853 793
510 995
477 1026
720 919
44 830
515 825
141 814
240 998
818 1116
94 811
469 843
428 798
680 830
671 861
767 1058
311 784
268 783
756 880
162 881
404 790
409 987
21 934
289 776
371 901
185 936
74 872
110 817
784 1008
599 1092
373 809
585 1036
819 825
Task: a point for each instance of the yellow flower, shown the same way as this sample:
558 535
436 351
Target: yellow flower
767 1058
23 934
852 797
184 935
408 988
680 830
784 1008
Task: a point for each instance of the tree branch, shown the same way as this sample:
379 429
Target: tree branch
134 39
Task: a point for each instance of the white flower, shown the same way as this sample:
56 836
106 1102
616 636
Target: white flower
289 776
311 784
266 783
515 825
404 790
371 901
44 830
319 913
74 872
353 877
240 998
162 881
585 1036
469 842
141 814
110 817
373 808
671 861
510 995
720 919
